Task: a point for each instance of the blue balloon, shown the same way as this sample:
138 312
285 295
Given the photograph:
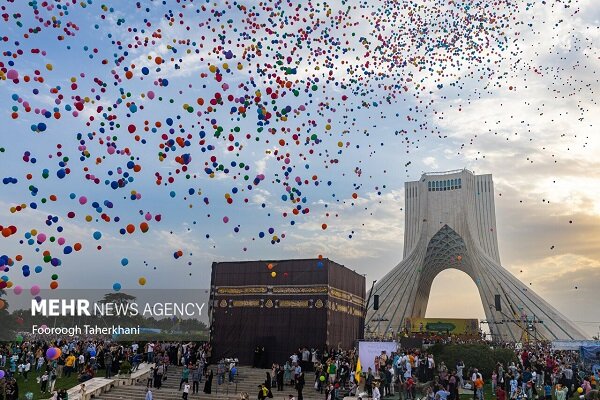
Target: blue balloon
97 235
116 286
124 262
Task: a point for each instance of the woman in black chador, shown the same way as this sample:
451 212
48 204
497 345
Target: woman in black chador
208 383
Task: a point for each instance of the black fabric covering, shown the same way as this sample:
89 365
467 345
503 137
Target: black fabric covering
242 321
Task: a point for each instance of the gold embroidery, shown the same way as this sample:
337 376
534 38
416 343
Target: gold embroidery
319 303
269 303
299 290
223 303
246 303
246 290
293 303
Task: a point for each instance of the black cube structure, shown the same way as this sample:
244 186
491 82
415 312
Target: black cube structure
283 305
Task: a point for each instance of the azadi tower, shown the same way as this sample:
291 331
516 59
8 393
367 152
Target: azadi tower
450 222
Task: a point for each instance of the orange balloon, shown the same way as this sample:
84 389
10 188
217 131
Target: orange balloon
130 228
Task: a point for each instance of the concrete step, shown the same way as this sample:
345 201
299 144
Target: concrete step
247 380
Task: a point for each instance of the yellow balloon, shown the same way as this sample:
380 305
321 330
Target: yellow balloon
273 274
142 281
579 390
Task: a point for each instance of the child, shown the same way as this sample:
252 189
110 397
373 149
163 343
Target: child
410 387
186 390
150 378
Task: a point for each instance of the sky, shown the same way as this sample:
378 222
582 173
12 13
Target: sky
133 117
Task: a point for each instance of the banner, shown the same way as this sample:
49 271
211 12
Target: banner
367 351
573 344
442 325
590 354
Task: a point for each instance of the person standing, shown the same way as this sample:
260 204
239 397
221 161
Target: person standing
460 365
186 391
196 378
160 371
69 365
300 384
185 374
332 371
150 352
279 378
44 381
430 367
473 379
148 394
220 372
108 361
208 383
52 380
369 382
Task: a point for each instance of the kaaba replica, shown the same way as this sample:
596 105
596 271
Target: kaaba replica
283 305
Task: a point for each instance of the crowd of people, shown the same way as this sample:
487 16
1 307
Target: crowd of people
26 359
538 372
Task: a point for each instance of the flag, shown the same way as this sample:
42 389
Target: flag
358 372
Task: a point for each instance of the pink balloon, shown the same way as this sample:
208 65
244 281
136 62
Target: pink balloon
41 238
226 219
35 290
111 150
82 200
61 241
151 95
148 217
12 74
18 290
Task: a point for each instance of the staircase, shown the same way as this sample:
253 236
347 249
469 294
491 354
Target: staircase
247 380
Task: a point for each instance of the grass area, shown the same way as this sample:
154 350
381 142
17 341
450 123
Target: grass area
32 386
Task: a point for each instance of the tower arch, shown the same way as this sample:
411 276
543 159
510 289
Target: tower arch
450 222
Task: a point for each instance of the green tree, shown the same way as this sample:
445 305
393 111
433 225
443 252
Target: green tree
480 356
117 298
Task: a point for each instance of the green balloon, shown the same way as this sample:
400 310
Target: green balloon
322 378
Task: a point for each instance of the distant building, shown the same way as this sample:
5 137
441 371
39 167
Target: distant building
283 305
450 222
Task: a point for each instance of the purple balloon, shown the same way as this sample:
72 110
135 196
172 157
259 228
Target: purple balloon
51 353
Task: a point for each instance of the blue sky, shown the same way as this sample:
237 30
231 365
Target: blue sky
524 111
